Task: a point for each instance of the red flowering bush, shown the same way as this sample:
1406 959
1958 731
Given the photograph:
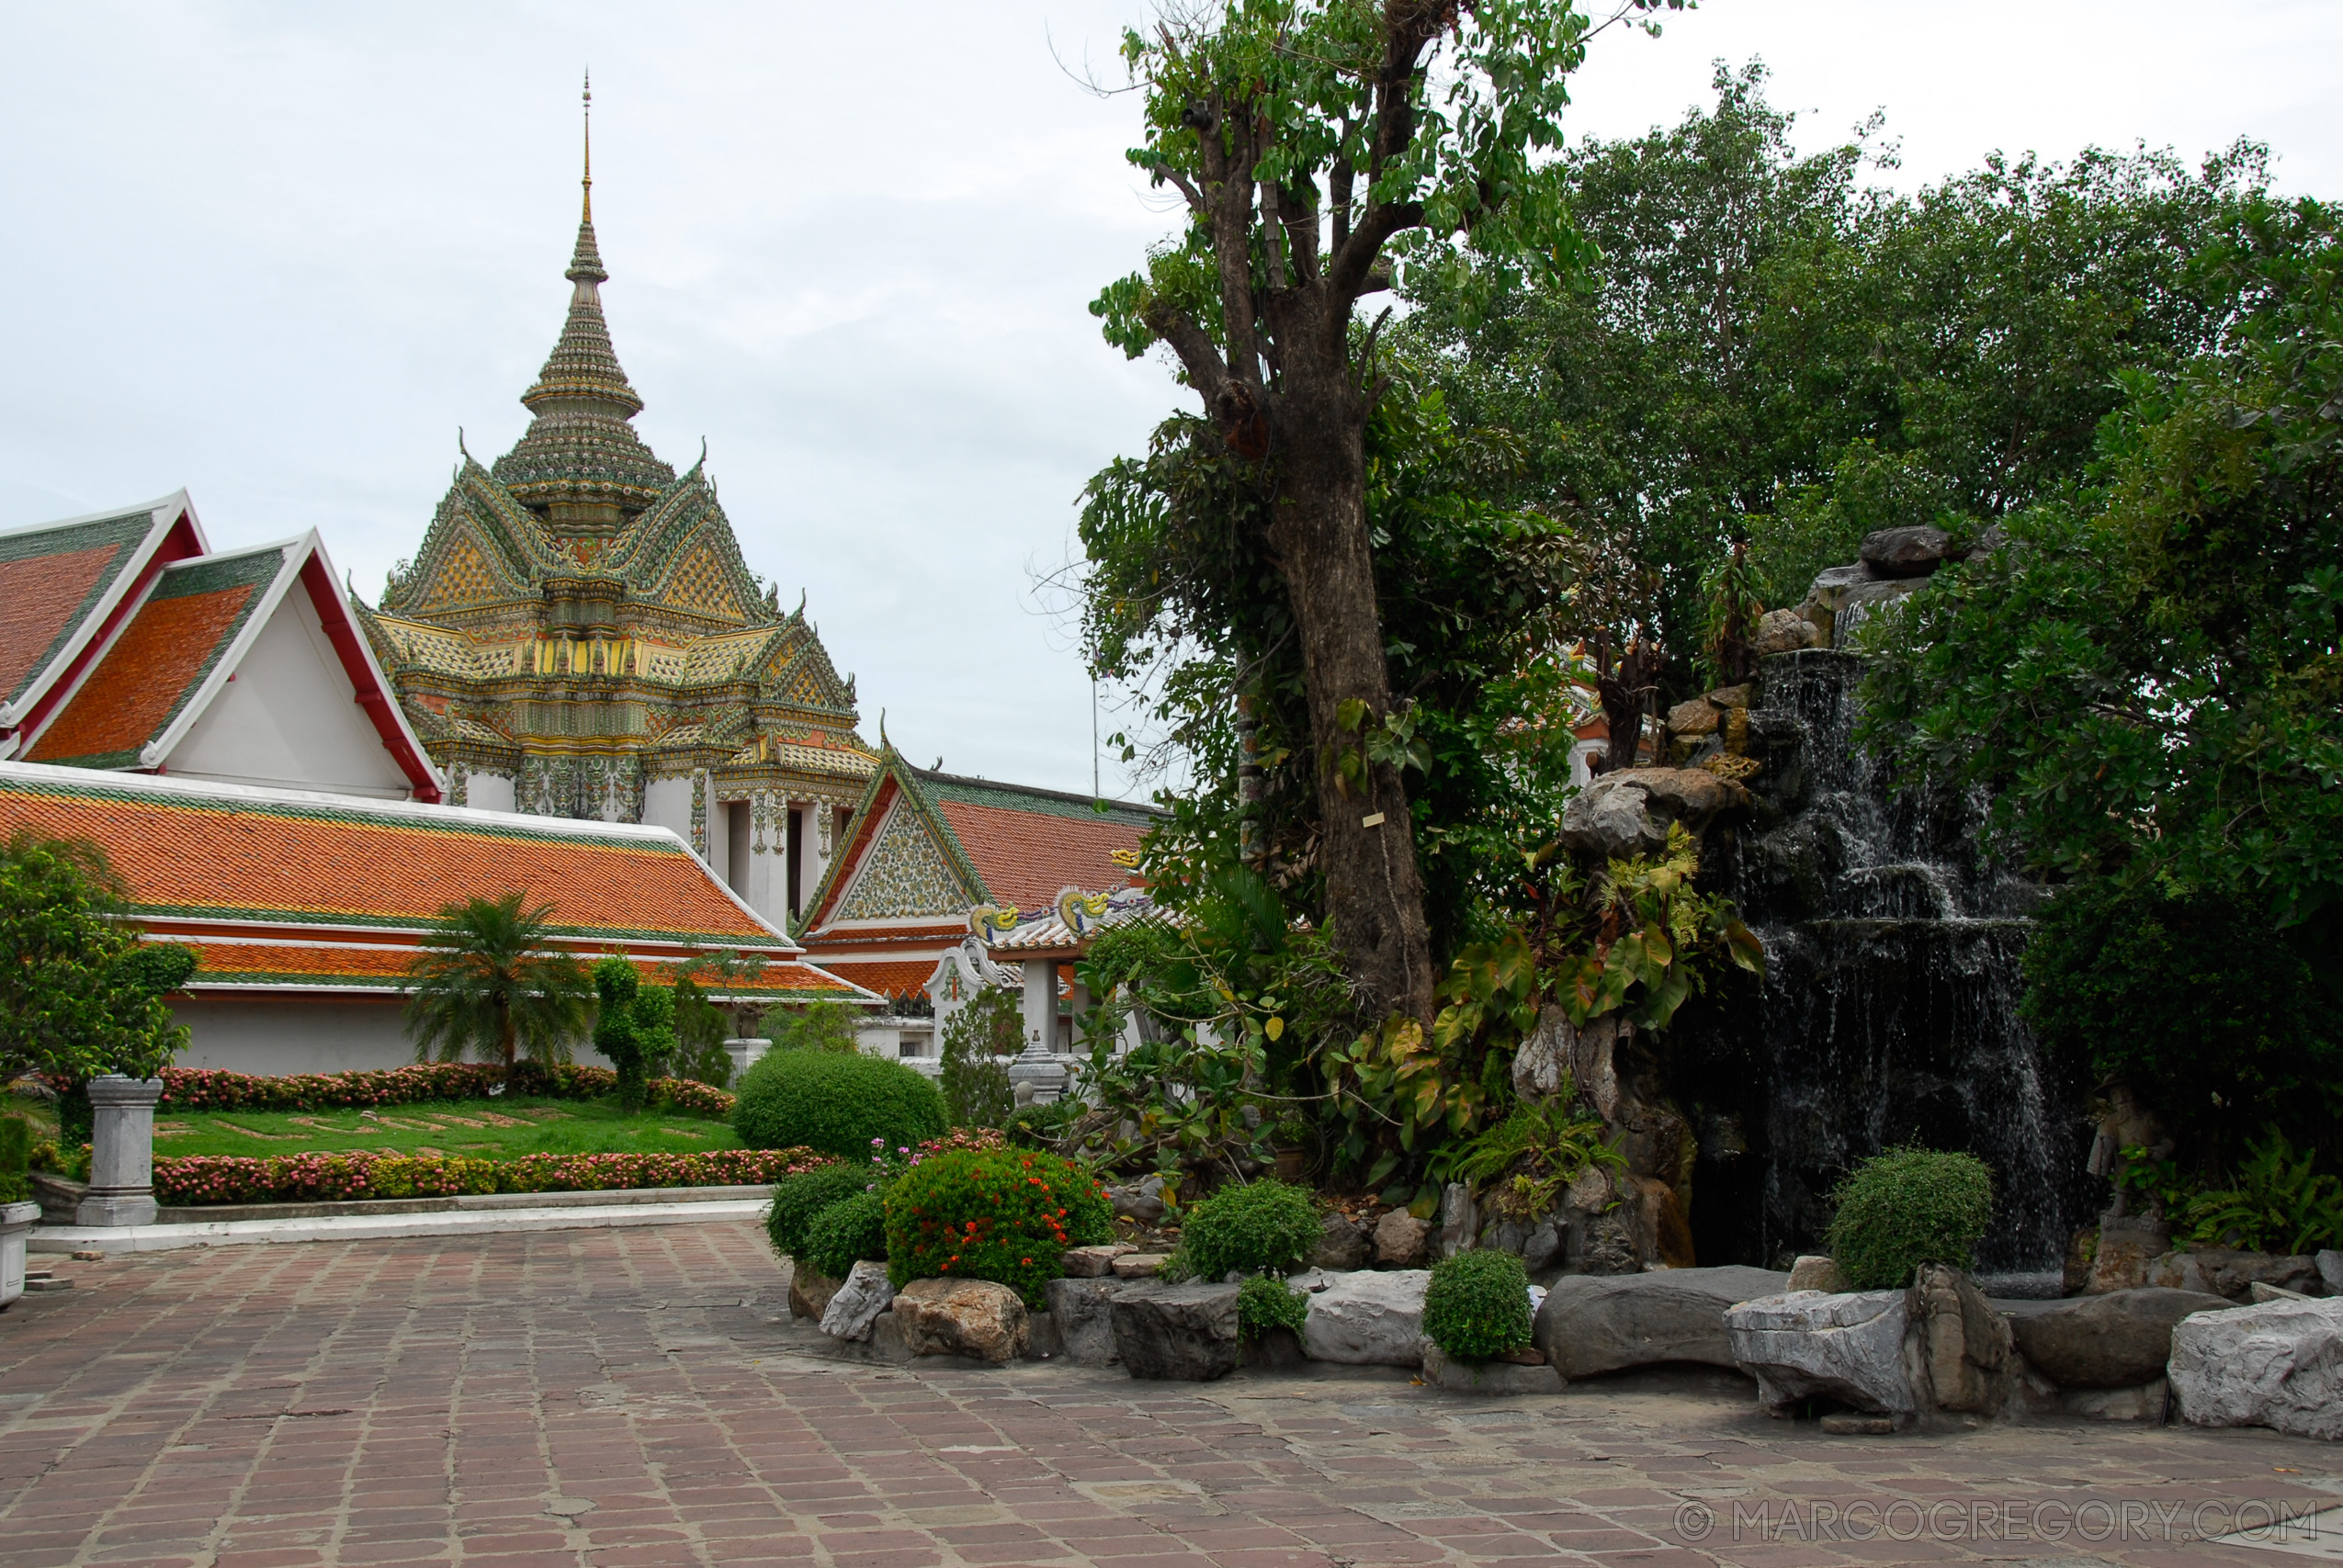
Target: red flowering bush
193 1180
204 1088
1006 1215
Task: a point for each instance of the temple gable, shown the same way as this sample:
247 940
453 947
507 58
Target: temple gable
905 874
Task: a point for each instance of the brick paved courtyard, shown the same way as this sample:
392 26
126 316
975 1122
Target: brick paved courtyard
627 1397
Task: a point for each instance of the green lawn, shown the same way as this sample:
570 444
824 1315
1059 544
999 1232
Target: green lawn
487 1129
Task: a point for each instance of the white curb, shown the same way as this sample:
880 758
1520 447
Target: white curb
371 1227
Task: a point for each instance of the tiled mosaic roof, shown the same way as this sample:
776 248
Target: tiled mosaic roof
221 851
341 966
49 578
893 978
160 659
1028 843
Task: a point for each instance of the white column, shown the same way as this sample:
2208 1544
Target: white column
121 1158
768 858
1041 1003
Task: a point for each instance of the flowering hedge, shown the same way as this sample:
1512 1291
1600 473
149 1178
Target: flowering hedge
1001 1214
191 1180
205 1089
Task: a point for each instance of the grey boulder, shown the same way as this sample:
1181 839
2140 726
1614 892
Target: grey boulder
1913 551
2119 1340
857 1302
2277 1365
1845 1347
1341 1243
1080 1309
1452 1375
1627 813
1591 1324
1185 1333
2330 1270
1401 1239
810 1291
1368 1319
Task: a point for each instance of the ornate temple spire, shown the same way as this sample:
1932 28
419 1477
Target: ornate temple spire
580 457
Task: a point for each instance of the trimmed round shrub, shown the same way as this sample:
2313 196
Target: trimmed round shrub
845 1234
837 1103
1478 1304
1263 1303
1907 1207
1261 1227
1006 1215
797 1199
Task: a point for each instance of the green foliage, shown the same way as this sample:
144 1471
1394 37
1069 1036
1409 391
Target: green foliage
1046 1126
846 1232
817 1026
1777 351
701 1029
2281 1204
1254 1227
16 1158
797 1199
80 993
1007 1215
1906 1207
1478 1304
632 1026
974 1079
489 980
1539 1149
2147 678
1265 1301
841 1104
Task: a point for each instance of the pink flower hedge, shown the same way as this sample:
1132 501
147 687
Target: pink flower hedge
203 1089
192 1180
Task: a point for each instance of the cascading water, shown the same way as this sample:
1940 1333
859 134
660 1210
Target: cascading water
1888 1014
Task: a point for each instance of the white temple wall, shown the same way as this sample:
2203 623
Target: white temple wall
275 1034
489 792
290 717
667 802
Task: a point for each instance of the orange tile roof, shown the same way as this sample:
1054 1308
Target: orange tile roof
161 656
1025 857
222 852
43 596
293 966
890 977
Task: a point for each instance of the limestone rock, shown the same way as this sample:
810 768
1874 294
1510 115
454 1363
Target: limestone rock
857 1302
1141 1201
1627 813
1848 1347
2330 1270
962 1317
1187 1333
1860 602
1783 631
1913 551
1694 716
810 1291
1543 1246
1459 1219
2140 1402
1082 1311
2227 1271
1369 1319
1817 1272
1739 696
1451 1375
1401 1239
1093 1262
1590 1323
1965 1344
2278 1365
2259 1293
1341 1245
2117 1340
1140 1265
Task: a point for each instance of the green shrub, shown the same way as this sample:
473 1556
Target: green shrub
846 1232
1040 1126
1903 1208
823 1026
1263 1303
797 1199
1260 1227
16 1157
1478 1304
2279 1201
1006 1215
974 1079
837 1102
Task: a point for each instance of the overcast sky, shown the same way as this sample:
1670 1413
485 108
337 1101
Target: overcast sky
279 253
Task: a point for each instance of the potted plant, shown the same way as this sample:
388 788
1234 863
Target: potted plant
1290 1137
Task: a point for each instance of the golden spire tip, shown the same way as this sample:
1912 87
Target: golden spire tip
588 182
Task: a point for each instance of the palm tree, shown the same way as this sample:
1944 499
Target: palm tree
489 980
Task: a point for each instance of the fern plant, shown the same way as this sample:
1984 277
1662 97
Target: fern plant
2282 1204
1533 1154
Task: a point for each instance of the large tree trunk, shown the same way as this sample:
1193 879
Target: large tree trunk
1373 891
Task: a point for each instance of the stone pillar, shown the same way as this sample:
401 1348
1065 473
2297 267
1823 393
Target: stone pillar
121 1161
744 1052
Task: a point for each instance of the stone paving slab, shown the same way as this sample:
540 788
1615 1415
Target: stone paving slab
636 1396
